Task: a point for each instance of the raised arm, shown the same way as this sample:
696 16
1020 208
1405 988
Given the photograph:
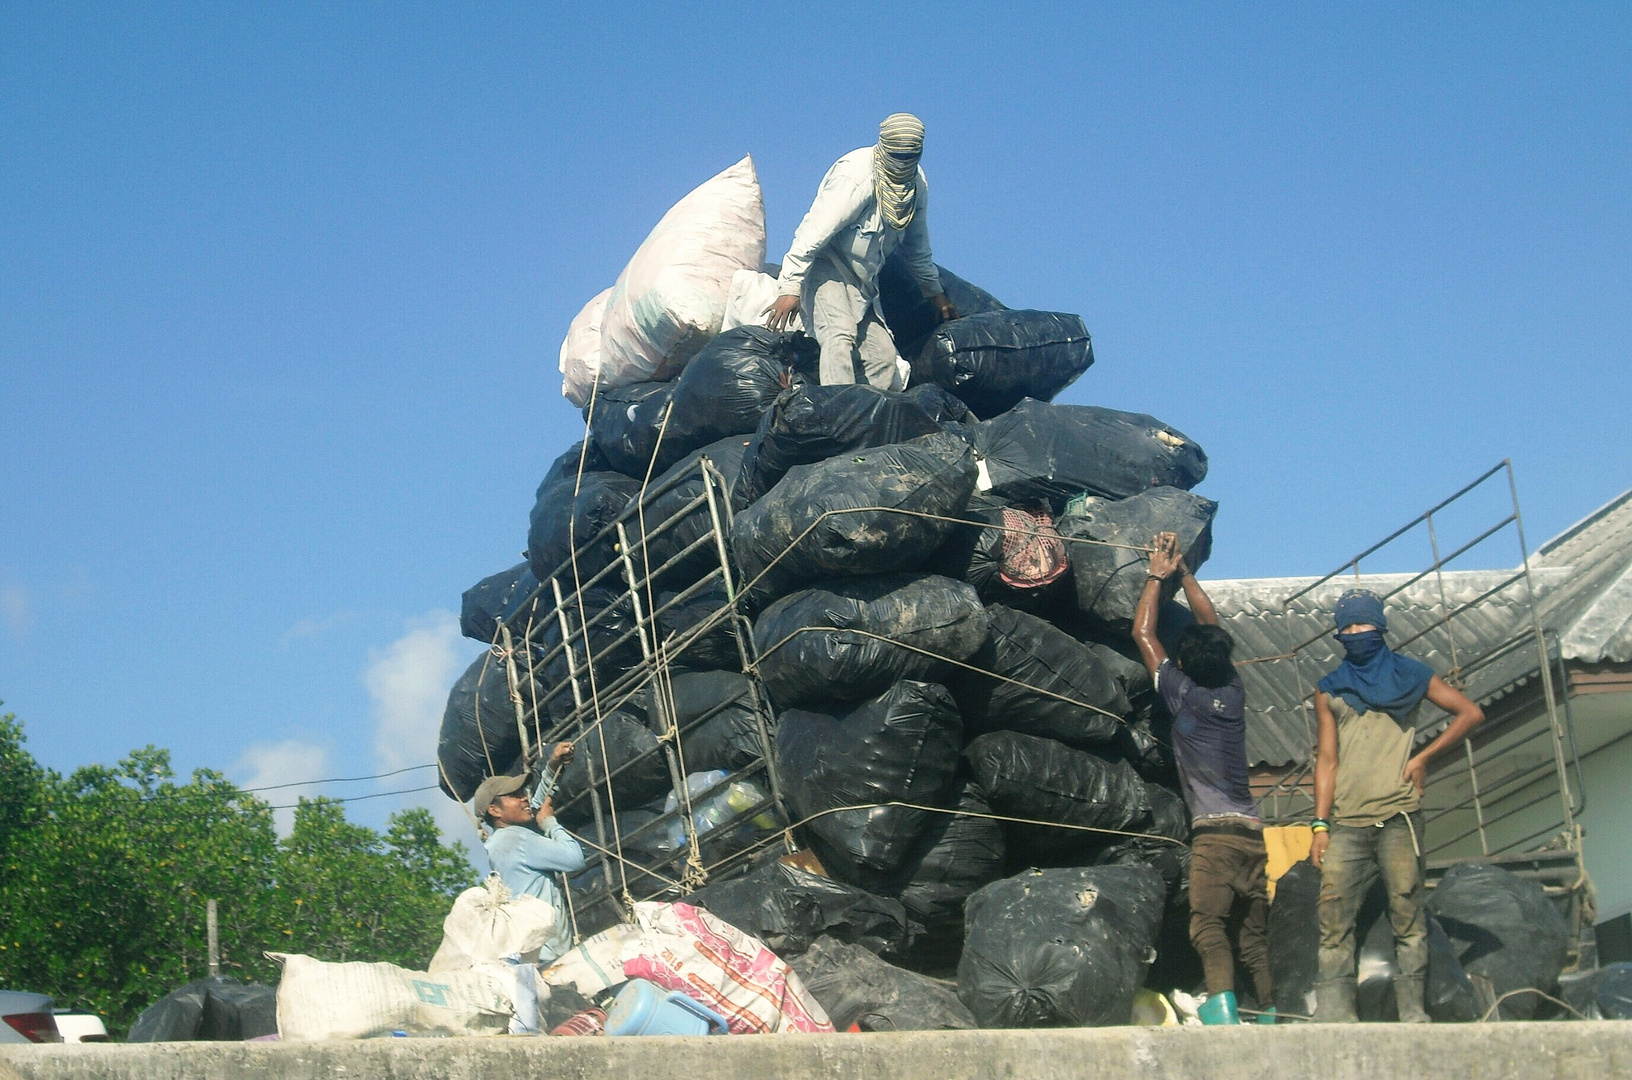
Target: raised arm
1464 715
1164 562
1201 605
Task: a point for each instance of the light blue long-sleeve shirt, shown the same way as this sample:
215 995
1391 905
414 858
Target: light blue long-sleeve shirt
525 859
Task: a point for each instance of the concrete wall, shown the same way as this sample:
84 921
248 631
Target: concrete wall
1607 822
1555 1051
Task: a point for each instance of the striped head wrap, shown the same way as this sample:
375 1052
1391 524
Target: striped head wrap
895 168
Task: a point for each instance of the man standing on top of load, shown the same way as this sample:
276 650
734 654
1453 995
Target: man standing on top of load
871 201
1227 856
526 848
1368 786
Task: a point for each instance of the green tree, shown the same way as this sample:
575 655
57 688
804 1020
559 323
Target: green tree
104 876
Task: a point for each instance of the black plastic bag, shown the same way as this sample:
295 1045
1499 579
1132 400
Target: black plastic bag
1145 741
722 392
1294 955
855 987
577 458
994 360
1165 848
1504 929
711 650
788 908
1060 690
633 760
1294 939
611 647
1042 453
1613 995
715 714
1448 994
957 855
670 527
624 422
1065 947
478 737
218 1008
901 746
814 645
483 606
727 387
811 423
1046 781
820 520
562 521
909 314
1109 579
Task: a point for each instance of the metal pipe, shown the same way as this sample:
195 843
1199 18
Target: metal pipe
1401 531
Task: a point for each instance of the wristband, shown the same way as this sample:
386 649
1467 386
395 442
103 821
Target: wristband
1154 577
1320 825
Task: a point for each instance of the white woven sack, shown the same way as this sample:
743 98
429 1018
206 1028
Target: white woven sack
581 351
596 963
487 925
748 303
322 1000
670 300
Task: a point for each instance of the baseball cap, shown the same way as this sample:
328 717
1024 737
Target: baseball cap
493 787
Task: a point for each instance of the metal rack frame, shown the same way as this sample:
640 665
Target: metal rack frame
573 708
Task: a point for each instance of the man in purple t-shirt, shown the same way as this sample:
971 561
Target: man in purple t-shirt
1205 696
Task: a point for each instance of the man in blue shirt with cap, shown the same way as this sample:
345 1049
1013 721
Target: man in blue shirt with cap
528 847
1369 778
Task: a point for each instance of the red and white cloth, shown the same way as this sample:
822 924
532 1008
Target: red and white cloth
685 948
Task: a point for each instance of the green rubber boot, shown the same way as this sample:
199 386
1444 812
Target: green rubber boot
1267 1016
1219 1009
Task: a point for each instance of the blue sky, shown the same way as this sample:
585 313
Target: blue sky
282 289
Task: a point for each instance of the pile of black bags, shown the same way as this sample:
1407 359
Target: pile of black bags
937 584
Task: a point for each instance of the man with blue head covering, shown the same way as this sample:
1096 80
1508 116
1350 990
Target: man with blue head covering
1369 779
872 202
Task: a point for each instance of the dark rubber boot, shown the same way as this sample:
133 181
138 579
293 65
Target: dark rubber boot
1408 995
1334 1002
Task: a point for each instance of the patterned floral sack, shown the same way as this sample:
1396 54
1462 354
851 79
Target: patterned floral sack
1033 552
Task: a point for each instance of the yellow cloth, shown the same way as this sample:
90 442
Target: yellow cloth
1285 845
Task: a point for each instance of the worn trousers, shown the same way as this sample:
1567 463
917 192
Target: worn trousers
1227 884
1355 857
846 325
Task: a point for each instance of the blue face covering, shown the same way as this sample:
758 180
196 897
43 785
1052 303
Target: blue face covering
1362 648
1373 676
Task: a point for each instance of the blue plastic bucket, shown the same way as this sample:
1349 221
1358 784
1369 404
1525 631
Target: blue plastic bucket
643 1008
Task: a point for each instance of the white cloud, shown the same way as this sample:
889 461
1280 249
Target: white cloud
288 762
16 611
306 628
409 682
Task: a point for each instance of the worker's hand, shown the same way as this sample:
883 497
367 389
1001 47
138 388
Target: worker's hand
1317 849
1416 771
1165 559
546 811
562 755
782 312
944 307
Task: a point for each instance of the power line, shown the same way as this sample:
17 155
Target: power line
360 798
340 780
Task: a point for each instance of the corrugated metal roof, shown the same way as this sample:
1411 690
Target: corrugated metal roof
1583 581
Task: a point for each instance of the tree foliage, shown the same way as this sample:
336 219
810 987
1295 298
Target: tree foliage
104 876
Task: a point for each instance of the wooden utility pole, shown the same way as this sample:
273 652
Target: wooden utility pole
212 932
